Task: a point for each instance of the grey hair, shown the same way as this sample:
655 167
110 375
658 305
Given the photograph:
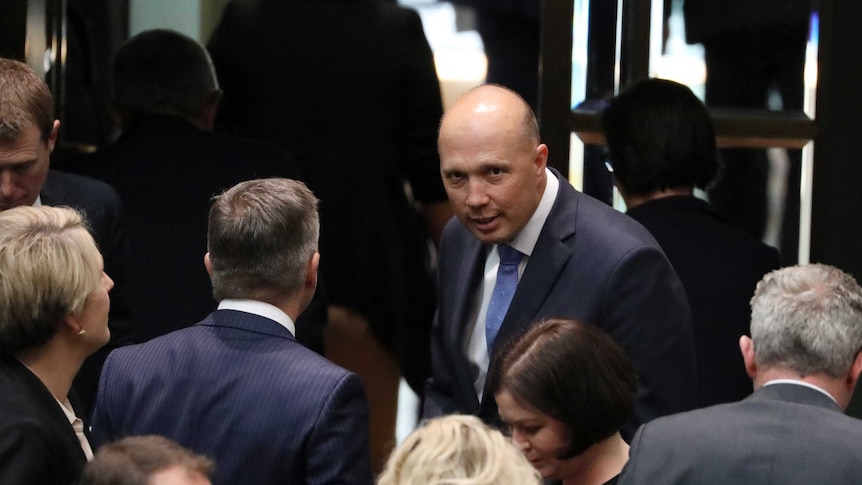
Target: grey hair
262 234
807 318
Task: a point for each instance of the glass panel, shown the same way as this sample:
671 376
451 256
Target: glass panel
741 53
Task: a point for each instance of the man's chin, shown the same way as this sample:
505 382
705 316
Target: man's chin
489 237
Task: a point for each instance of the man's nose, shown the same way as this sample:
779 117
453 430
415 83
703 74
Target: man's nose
476 195
7 184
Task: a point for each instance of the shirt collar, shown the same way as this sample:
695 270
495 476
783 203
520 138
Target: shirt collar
38 201
526 240
800 383
261 309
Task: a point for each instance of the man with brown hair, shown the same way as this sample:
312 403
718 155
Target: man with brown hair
147 460
28 134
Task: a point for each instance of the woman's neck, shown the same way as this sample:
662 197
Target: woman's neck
601 462
55 367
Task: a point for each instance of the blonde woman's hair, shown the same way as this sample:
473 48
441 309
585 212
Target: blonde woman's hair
457 450
49 264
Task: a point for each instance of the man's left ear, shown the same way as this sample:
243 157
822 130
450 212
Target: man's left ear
541 157
311 272
855 370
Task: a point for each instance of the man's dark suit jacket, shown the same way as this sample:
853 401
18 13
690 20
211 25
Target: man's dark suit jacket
37 443
349 87
719 266
240 389
782 434
166 171
104 212
591 263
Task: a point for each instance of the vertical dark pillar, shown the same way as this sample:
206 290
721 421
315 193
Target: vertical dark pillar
555 81
836 232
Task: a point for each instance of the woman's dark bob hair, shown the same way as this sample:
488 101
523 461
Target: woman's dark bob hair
574 373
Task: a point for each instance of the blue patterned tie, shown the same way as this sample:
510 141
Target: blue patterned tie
504 289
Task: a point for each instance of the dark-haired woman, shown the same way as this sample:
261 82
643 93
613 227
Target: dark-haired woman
563 390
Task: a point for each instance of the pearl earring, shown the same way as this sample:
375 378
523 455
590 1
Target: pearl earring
82 332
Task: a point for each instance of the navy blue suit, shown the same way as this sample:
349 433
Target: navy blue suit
719 266
591 263
238 388
782 434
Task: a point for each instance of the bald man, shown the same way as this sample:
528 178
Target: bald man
573 257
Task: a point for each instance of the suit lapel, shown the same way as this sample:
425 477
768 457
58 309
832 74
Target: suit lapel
51 193
462 294
544 267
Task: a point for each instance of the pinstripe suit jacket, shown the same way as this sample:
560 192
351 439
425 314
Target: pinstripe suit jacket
238 388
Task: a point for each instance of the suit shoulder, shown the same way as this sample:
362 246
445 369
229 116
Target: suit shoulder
79 185
602 225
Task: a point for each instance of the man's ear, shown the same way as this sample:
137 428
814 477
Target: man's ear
540 158
311 272
206 119
208 265
52 137
746 346
853 375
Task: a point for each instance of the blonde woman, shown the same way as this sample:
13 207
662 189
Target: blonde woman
53 314
459 450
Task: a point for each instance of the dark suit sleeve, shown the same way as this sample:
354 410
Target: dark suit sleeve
338 447
647 312
102 431
24 453
438 399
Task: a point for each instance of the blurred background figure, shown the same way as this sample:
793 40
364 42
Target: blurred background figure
564 390
166 166
146 460
53 315
510 37
457 449
661 146
359 111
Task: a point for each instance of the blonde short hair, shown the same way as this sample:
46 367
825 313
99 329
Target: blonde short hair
457 450
49 264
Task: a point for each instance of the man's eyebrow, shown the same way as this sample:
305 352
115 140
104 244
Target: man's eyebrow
20 163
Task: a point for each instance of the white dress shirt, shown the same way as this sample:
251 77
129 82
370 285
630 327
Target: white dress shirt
477 347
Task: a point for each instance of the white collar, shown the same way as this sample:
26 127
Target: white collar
800 383
259 308
526 239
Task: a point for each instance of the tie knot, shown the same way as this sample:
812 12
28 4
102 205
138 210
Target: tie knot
508 254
